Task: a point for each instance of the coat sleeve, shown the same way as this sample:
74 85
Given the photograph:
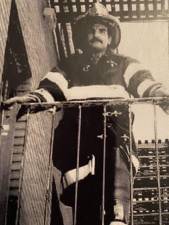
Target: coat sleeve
139 81
53 87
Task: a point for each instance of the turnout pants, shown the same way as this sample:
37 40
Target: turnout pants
91 160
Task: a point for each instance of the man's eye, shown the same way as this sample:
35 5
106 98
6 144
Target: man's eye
102 31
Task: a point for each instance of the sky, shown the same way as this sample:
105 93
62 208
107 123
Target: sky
148 42
144 123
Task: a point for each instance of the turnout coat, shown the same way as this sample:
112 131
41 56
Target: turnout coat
81 77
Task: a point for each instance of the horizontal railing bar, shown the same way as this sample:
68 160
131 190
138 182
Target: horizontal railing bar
107 101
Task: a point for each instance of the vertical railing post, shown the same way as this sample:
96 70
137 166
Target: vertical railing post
77 162
157 161
104 163
131 164
50 168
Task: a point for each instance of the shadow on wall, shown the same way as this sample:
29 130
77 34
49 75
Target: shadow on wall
16 70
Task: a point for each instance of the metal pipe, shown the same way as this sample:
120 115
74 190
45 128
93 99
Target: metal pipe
104 163
157 163
131 165
77 163
94 102
50 168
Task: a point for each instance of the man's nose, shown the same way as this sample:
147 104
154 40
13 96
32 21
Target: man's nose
96 33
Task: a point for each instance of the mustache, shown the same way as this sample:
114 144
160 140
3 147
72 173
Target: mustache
96 39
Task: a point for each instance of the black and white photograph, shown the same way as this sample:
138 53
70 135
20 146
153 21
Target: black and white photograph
84 112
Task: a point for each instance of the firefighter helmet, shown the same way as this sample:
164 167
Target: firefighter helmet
96 14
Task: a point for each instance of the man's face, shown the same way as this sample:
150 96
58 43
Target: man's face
98 38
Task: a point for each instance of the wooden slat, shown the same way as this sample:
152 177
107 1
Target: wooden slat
18 149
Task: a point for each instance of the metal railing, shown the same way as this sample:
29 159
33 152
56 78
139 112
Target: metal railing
80 104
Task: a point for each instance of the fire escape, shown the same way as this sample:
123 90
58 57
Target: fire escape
150 188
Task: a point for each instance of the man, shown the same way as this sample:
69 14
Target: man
96 71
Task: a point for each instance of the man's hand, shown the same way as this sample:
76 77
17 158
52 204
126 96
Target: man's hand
162 92
20 99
